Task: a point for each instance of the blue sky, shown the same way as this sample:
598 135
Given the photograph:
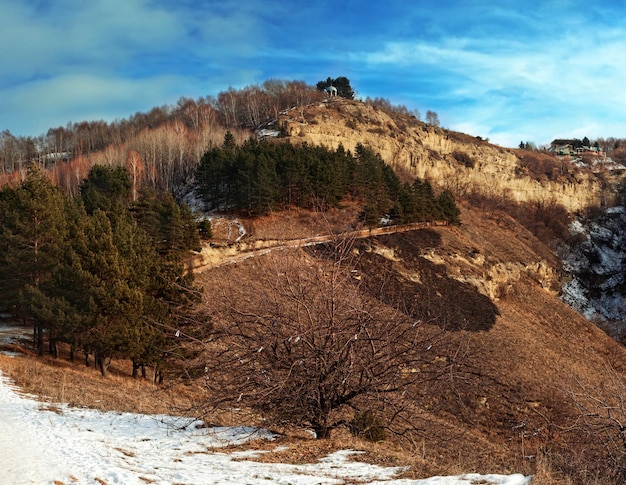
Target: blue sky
506 70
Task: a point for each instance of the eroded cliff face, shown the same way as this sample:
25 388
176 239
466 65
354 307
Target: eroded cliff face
423 151
595 262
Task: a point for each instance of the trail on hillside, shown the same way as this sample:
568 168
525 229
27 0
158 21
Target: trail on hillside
216 258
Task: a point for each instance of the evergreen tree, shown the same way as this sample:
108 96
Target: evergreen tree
209 178
205 230
292 169
448 208
328 175
48 302
342 84
115 275
106 188
215 175
33 235
170 225
256 176
426 206
372 178
405 207
95 280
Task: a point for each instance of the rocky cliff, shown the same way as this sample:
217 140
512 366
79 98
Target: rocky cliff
455 161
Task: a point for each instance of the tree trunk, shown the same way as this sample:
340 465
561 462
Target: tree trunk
322 431
39 339
137 364
101 362
53 348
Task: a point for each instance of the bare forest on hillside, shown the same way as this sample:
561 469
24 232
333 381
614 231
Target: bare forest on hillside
162 147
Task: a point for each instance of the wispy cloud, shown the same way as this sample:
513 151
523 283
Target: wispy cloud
97 35
78 97
574 75
71 60
509 71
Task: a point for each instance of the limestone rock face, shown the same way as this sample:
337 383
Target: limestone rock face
455 161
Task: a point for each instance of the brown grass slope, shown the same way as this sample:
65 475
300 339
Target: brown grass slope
534 377
538 388
530 367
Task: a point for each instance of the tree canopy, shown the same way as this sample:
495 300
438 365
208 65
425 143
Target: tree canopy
261 176
91 272
308 348
342 84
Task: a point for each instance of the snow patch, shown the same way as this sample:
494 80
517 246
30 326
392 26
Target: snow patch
46 444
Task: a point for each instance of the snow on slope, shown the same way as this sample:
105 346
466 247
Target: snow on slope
596 265
41 443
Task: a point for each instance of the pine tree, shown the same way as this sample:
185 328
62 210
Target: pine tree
449 210
342 84
170 225
106 188
94 280
32 240
112 269
426 206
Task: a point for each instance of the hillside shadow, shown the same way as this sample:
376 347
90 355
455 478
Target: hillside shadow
422 289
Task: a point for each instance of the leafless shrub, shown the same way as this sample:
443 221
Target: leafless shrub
301 344
350 123
540 166
588 446
464 158
377 131
367 425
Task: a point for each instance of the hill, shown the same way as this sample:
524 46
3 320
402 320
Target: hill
500 364
464 164
527 364
536 375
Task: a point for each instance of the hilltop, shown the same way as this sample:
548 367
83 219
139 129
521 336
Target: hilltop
464 164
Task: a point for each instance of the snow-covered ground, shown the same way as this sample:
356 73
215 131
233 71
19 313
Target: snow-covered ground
42 443
596 266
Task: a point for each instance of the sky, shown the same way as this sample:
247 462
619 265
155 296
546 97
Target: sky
507 70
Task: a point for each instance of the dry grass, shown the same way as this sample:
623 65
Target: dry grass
295 448
299 223
535 347
528 355
61 381
56 381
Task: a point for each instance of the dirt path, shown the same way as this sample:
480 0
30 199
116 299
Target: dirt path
213 257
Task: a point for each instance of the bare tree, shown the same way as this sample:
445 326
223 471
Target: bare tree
432 118
300 343
601 422
135 167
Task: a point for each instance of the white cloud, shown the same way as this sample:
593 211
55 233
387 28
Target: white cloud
96 35
74 60
513 72
77 97
571 84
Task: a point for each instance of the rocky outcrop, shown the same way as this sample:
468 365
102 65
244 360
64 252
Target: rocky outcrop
450 160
